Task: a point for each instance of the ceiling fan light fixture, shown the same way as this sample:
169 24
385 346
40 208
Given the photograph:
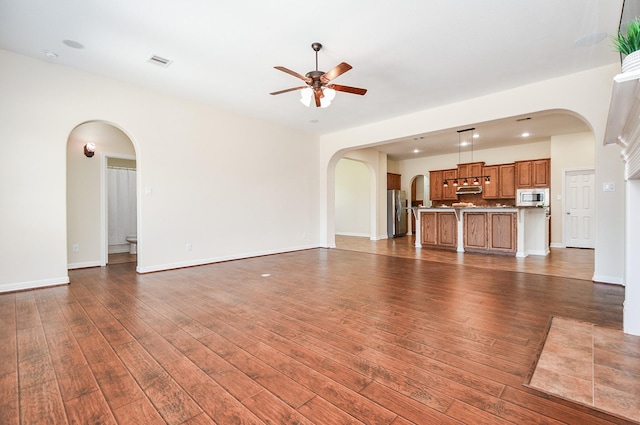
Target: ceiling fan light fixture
318 81
329 94
305 96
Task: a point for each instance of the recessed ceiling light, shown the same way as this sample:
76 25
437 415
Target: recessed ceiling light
73 44
525 134
416 150
464 143
476 135
50 55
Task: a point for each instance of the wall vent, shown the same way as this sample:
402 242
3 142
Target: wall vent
160 61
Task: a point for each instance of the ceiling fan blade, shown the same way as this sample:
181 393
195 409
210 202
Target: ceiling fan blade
336 71
348 89
295 74
317 94
288 90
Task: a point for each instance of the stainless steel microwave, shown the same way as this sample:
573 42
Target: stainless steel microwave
532 197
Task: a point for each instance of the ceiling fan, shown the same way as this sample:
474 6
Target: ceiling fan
319 84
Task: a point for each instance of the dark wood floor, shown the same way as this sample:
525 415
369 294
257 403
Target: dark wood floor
571 262
319 336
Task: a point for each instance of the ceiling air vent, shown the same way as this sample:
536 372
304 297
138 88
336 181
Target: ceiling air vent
157 60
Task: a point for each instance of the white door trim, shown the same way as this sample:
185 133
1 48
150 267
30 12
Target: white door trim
104 203
566 171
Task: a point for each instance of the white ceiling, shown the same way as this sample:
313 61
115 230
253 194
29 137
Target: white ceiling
538 126
410 54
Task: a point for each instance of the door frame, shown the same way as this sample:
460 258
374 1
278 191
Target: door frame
566 171
104 204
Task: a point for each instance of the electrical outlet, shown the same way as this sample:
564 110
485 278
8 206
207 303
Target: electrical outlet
75 247
187 246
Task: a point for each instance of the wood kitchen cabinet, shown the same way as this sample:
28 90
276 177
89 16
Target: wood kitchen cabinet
437 191
393 181
534 173
541 173
507 181
523 174
435 185
439 229
469 170
491 190
502 232
502 182
490 231
476 235
449 192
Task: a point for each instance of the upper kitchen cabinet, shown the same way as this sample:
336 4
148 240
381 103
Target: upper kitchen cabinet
507 181
437 191
393 181
491 190
449 192
534 173
501 182
435 185
469 170
541 169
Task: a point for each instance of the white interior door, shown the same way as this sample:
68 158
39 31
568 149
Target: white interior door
579 208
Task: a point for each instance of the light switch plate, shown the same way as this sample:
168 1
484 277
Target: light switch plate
609 187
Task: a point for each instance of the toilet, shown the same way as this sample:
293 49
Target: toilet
133 243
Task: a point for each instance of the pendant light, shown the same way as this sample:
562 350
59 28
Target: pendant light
475 179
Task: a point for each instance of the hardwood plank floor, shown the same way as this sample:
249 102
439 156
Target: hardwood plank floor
565 262
310 337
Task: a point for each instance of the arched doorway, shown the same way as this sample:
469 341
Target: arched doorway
87 191
353 203
419 195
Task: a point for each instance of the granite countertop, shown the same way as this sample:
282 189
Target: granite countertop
474 207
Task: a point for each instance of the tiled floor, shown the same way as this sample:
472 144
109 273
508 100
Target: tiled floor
593 365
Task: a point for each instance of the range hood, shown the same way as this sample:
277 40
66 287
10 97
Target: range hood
467 190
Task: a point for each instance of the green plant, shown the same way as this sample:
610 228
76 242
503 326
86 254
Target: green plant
629 42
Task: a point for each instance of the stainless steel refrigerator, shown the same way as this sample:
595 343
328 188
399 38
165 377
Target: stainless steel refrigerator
396 213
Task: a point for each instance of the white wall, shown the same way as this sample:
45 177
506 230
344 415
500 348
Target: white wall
229 185
376 161
84 189
632 272
568 151
586 94
352 198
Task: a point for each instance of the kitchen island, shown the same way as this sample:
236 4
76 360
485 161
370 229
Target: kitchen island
519 231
